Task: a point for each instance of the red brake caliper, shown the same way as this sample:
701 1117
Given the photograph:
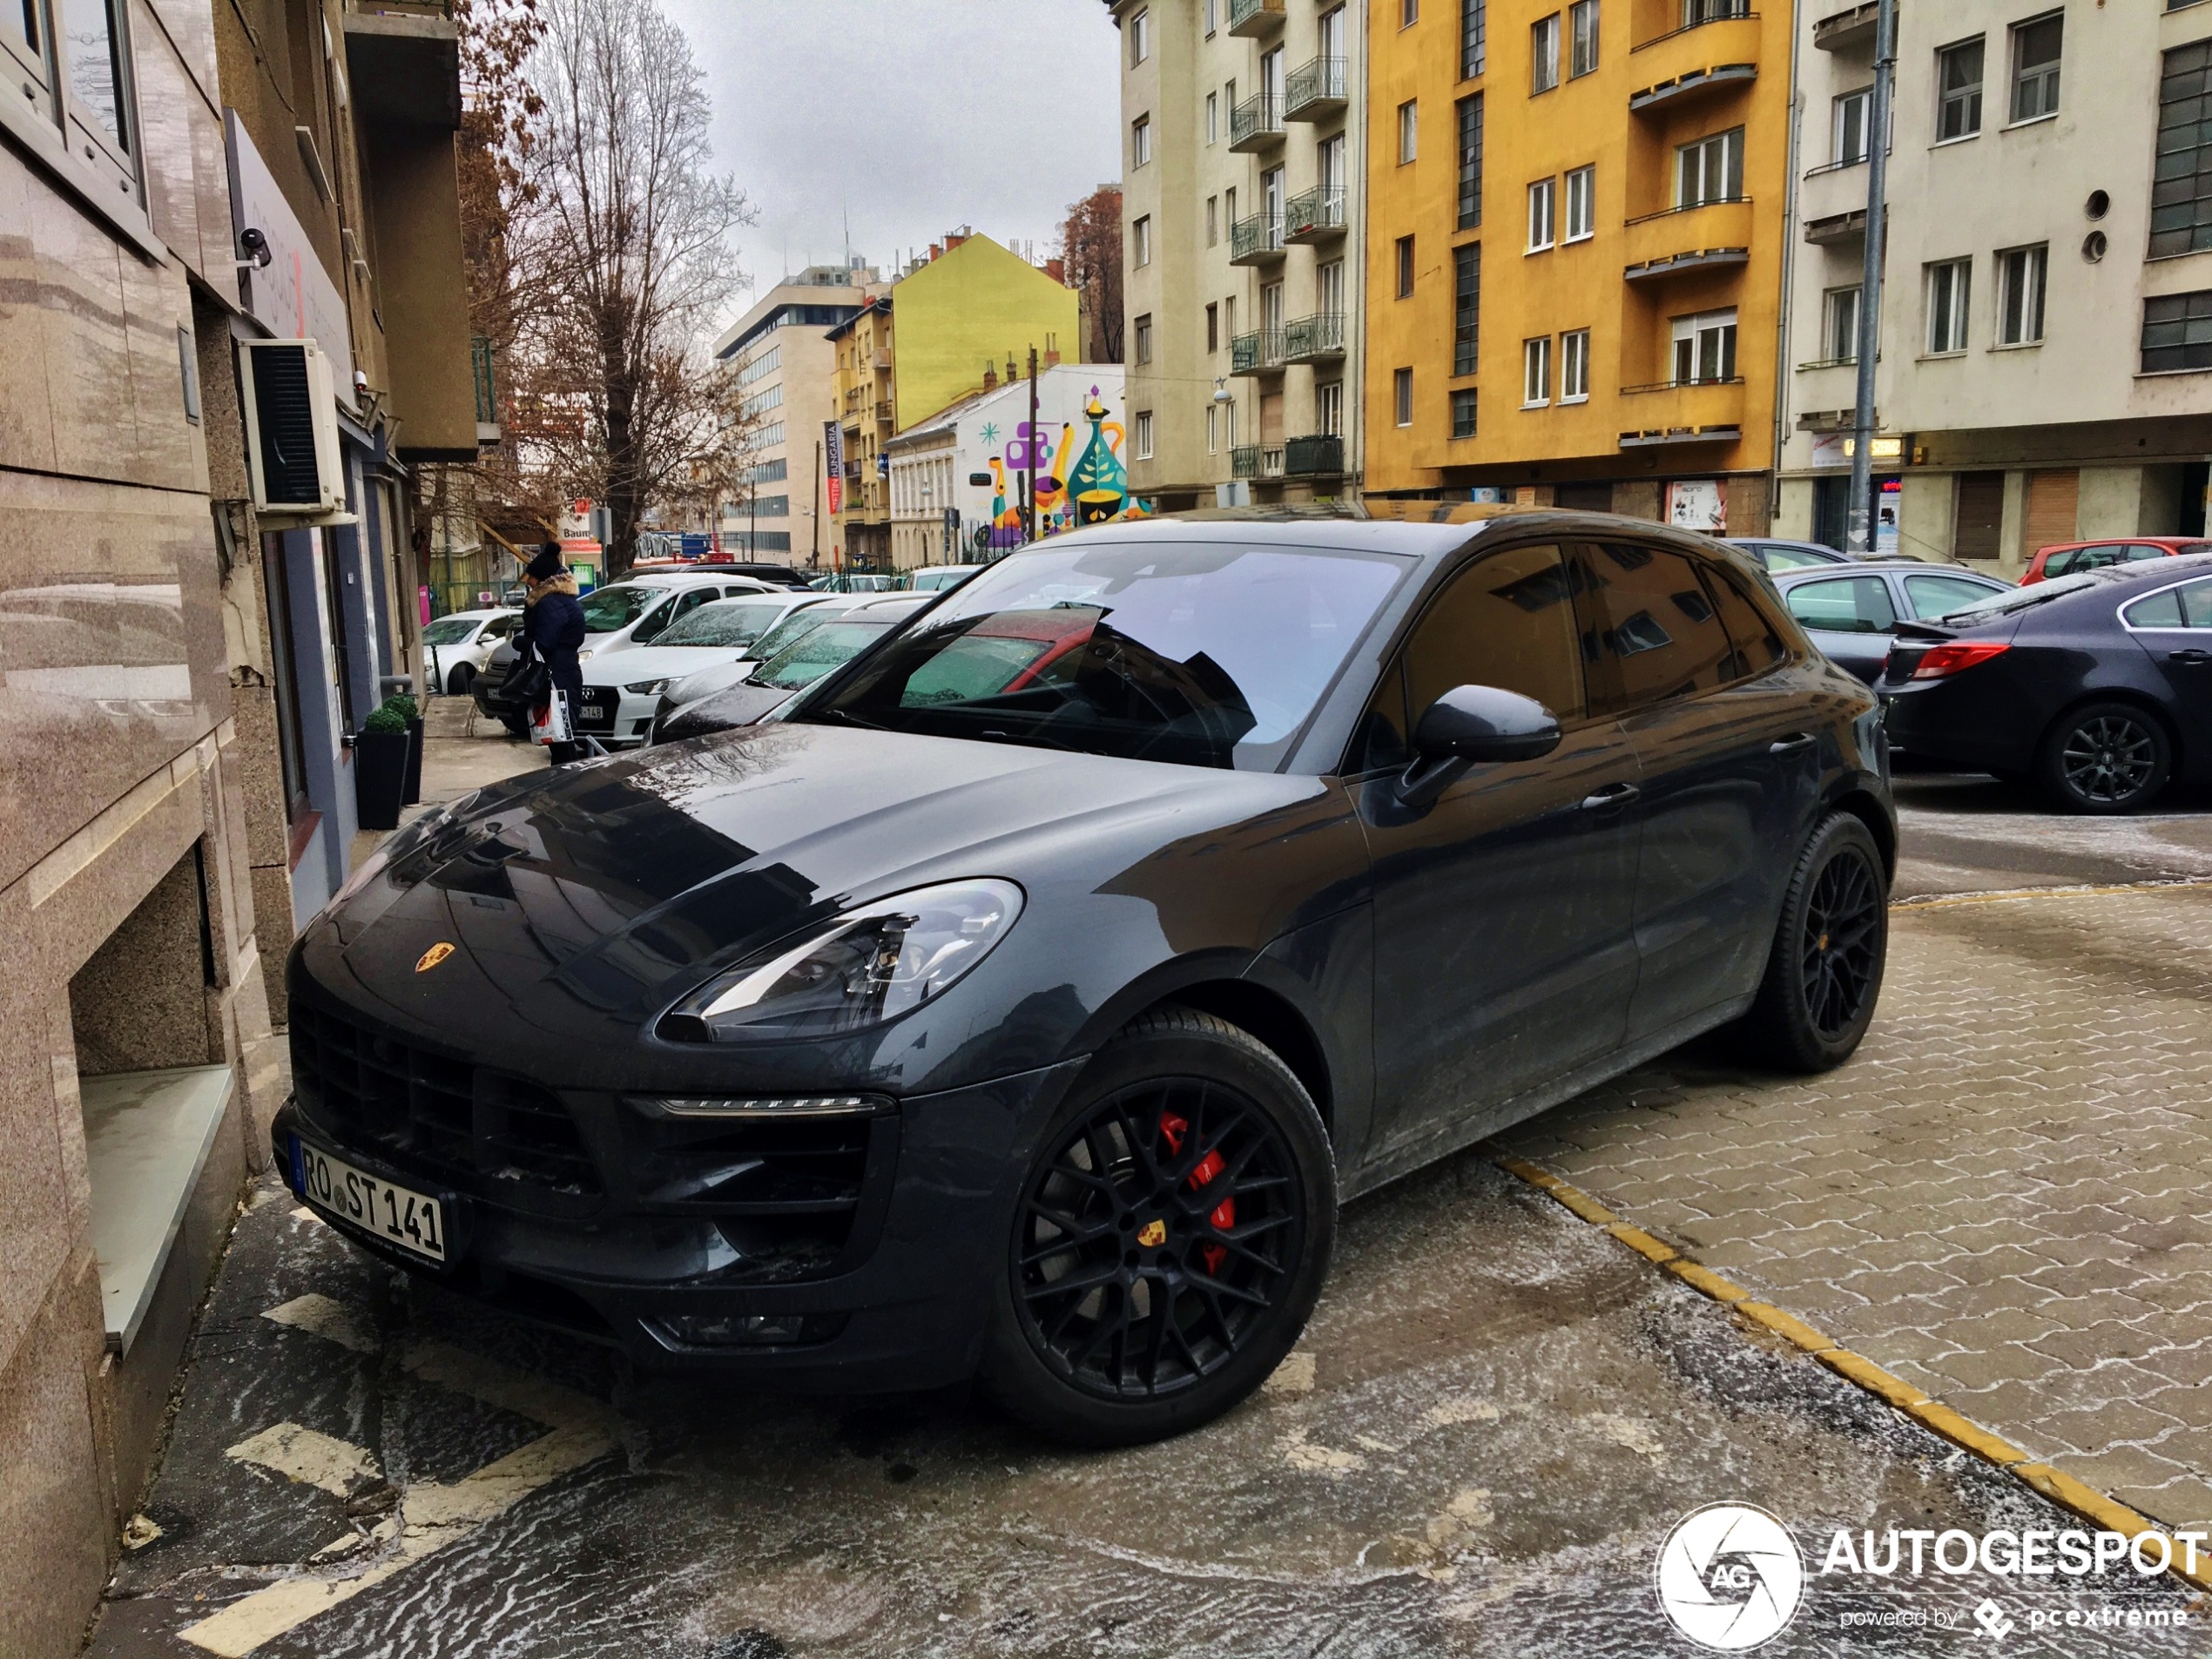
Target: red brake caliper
1172 1130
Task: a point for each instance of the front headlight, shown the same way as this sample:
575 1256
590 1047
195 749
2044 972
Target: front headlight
647 688
871 964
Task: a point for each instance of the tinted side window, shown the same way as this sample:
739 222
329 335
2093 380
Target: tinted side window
2188 606
2063 564
1507 620
1850 604
1758 647
1939 596
1653 633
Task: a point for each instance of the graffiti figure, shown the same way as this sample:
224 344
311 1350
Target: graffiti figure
1099 485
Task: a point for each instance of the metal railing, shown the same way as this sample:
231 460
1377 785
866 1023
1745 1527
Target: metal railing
1321 81
1244 461
1257 238
1317 456
1261 349
1314 213
1318 335
1250 16
1257 118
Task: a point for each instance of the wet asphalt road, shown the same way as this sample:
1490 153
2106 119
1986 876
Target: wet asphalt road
1495 1417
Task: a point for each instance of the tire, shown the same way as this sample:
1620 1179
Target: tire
457 682
1173 1092
1824 972
2104 758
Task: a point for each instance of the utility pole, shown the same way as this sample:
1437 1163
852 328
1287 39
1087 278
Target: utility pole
1861 533
1029 453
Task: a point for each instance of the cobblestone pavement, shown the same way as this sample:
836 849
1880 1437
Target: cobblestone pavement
2001 1198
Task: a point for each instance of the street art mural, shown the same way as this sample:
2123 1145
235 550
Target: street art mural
1072 490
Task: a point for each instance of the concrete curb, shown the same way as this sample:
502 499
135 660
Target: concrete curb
2054 1484
2008 895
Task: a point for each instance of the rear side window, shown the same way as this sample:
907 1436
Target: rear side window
2187 606
1654 632
1851 604
1939 596
1507 620
1749 629
2145 550
1788 558
2065 563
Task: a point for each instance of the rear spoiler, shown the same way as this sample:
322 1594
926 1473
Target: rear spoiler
1921 630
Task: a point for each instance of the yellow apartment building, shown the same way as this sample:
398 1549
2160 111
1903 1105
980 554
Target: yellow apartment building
1575 249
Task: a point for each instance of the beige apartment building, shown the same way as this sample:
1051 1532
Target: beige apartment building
786 369
1244 144
2046 363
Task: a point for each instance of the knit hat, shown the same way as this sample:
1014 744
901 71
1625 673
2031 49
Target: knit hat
547 562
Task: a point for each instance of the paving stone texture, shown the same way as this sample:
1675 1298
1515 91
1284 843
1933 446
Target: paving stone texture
2002 1197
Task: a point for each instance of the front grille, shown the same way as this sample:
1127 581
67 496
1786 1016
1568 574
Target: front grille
426 1112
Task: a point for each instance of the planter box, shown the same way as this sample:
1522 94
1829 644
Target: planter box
380 778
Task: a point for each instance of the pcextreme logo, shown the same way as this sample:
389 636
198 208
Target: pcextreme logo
1730 1577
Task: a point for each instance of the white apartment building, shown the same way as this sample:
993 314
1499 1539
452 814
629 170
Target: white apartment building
786 371
1244 134
2045 372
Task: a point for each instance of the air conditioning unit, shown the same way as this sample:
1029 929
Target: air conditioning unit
292 430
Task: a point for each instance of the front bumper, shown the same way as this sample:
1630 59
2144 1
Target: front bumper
899 1301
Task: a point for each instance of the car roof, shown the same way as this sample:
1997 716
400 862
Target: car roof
2126 541
1424 529
479 614
1875 567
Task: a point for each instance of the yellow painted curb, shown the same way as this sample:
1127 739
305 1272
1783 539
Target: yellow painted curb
2059 1488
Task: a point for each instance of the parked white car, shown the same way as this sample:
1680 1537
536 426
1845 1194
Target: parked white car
936 578
455 647
622 688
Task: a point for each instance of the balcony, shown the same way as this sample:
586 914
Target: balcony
1244 461
1255 17
1316 339
1259 353
1316 90
1848 30
1699 237
1257 124
1833 229
1683 412
1257 241
1691 85
883 411
1315 216
1320 455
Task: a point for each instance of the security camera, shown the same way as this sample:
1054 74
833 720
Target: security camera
361 379
256 246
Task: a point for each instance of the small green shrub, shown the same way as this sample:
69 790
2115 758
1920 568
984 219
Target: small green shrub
385 719
401 704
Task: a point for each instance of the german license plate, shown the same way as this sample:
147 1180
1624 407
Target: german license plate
598 708
411 1220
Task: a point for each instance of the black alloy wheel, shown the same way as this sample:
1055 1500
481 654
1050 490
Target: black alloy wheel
457 682
1823 971
2107 757
1170 1238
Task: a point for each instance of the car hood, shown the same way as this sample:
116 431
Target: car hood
578 906
724 711
654 663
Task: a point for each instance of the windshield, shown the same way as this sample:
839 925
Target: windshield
1999 604
723 625
1198 653
795 623
450 630
608 610
819 649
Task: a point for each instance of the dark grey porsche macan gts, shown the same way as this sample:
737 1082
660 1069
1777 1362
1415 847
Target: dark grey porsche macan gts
1022 999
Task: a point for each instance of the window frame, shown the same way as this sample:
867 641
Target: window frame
1141 436
1577 64
2035 266
1543 193
1213 117
58 129
1402 255
1140 35
1955 279
1464 400
1466 308
1536 372
1468 126
1409 131
1140 141
2195 307
1585 176
1401 382
1859 100
1543 55
2181 216
1475 38
1140 330
1832 327
2043 75
1140 241
1575 366
1729 141
1968 97
1690 327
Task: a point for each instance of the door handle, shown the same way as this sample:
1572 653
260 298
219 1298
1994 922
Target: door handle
1611 795
1791 745
2192 656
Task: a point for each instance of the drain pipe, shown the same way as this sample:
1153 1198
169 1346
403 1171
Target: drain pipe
1860 534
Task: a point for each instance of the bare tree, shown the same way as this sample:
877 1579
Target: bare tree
1091 242
625 230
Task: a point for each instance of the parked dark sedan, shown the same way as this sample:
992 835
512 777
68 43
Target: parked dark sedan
1852 615
1023 998
2098 685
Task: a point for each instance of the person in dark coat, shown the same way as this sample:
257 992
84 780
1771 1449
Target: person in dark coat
552 630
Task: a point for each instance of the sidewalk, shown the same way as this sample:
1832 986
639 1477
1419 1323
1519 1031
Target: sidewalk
463 751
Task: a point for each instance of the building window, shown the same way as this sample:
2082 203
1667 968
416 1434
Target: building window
1542 198
1140 240
1330 171
1140 141
1710 170
1144 332
1949 292
1213 222
1213 329
1463 412
1704 348
1543 49
1958 90
1401 394
1140 38
2035 67
1409 13
1144 435
2020 294
1328 288
1213 16
1328 409
2181 200
93 58
1470 113
1696 11
1581 204
1582 38
1840 329
1409 130
1475 28
1848 137
1404 267
1213 427
2177 333
1213 116
1536 372
1466 307
1575 367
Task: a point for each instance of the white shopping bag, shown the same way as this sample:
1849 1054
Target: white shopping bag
550 721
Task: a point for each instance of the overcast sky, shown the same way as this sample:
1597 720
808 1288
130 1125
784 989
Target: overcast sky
912 116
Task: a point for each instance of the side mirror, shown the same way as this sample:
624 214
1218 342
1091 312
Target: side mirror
1471 725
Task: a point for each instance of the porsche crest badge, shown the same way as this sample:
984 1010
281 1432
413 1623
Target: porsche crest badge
431 957
1153 1234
